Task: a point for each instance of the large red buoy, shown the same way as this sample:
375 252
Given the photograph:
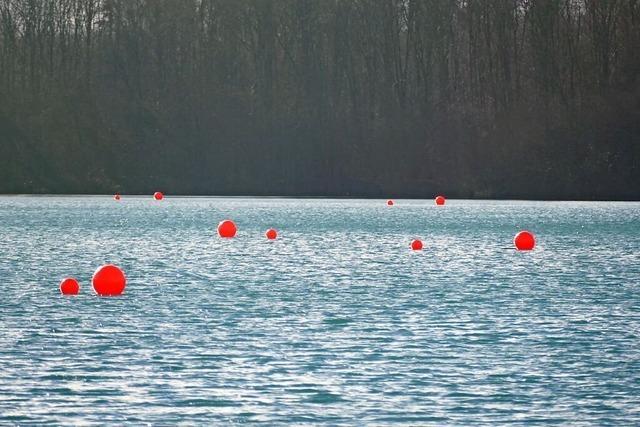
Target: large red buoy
271 234
227 228
416 245
109 280
116 196
440 200
69 286
389 202
524 241
158 195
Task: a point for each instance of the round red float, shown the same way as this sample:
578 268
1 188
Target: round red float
524 241
389 202
416 245
271 234
116 196
69 286
227 228
158 195
109 280
440 200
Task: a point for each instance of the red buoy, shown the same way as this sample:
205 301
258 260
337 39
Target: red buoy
109 280
158 195
271 234
227 228
416 245
524 241
440 200
389 202
69 286
116 196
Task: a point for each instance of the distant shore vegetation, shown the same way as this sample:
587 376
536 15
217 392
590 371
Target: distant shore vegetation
373 98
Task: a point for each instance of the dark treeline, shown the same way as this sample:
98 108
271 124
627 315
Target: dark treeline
472 98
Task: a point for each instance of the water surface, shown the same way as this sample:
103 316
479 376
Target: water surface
336 322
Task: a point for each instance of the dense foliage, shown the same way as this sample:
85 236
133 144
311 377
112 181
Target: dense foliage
472 98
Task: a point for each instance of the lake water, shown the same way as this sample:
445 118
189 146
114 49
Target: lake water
336 322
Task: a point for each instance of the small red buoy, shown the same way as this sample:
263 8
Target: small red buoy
271 234
416 245
109 280
524 241
440 200
69 286
158 195
227 228
116 196
389 202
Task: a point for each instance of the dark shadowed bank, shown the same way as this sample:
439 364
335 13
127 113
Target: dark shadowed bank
370 98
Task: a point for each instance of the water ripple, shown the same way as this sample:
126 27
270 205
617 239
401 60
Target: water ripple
336 322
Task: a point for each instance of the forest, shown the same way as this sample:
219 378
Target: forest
534 99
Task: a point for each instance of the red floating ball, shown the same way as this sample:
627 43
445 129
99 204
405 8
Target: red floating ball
440 200
416 245
389 202
227 228
69 286
116 196
109 280
524 241
158 195
271 234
